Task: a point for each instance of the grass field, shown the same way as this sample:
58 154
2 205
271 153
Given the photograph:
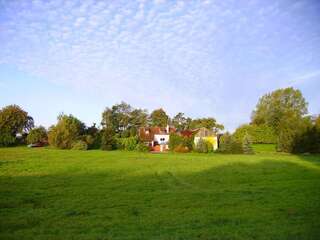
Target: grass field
61 194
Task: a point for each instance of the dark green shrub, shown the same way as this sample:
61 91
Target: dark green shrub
229 144
128 143
108 140
257 133
79 145
141 147
68 130
37 135
6 139
176 140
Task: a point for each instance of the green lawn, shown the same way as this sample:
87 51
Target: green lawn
61 194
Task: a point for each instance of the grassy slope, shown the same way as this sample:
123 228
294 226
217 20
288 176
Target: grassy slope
56 194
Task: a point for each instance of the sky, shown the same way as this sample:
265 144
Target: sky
204 58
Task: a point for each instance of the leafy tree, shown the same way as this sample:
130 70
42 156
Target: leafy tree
273 107
79 145
124 119
108 140
180 122
159 118
37 135
209 123
13 120
65 132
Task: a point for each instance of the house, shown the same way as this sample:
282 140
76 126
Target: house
208 135
157 138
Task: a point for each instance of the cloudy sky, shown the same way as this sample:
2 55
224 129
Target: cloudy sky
204 58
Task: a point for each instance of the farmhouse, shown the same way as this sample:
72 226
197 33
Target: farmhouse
157 138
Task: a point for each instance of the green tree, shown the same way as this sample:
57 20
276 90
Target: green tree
108 140
123 119
180 122
37 135
257 133
159 118
273 107
13 120
209 123
66 132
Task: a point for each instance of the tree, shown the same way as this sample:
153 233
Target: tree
228 144
37 135
180 122
66 132
123 119
257 133
13 120
108 140
159 118
273 107
209 123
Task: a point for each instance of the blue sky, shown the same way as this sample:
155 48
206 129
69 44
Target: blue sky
204 58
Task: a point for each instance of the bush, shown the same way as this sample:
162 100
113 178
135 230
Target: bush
128 143
6 139
229 144
202 146
68 130
108 140
141 147
181 149
37 135
79 145
246 145
176 140
257 133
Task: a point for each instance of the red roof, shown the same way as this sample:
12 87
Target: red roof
146 134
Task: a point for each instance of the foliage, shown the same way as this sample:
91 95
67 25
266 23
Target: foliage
124 119
181 149
141 147
108 140
65 132
128 144
290 130
180 122
176 140
257 133
92 137
79 145
279 105
37 135
209 123
247 145
6 139
159 118
13 120
203 146
229 144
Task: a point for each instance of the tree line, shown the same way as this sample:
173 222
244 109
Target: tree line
118 129
280 117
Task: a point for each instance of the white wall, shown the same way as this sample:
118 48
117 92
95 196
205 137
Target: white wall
157 138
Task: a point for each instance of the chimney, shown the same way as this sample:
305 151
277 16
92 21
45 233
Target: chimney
167 128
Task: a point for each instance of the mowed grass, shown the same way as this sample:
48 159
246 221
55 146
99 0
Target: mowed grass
64 194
